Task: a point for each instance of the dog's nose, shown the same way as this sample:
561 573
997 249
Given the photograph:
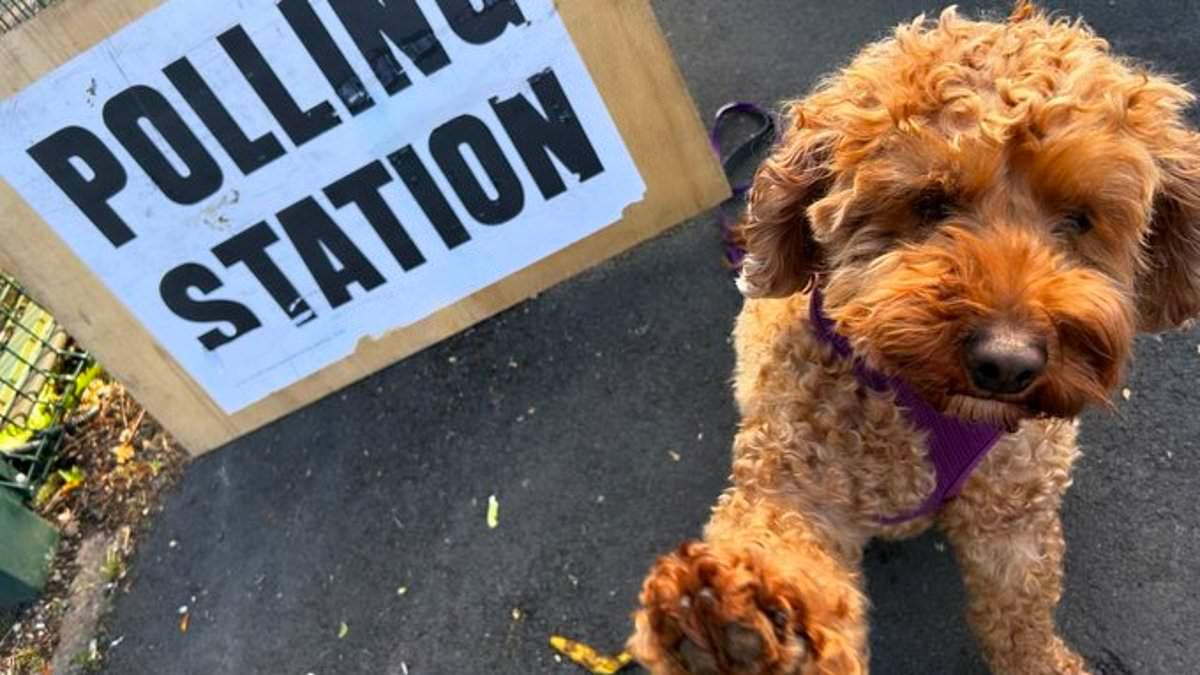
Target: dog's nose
1004 360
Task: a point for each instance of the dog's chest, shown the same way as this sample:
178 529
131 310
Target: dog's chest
861 439
809 425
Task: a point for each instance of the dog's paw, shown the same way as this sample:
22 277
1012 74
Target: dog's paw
711 611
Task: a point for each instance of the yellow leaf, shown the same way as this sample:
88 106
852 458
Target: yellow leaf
343 631
589 658
493 512
185 620
72 479
123 452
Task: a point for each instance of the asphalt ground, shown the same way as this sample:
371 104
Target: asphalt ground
600 416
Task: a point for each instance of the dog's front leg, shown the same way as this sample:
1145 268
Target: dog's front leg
1012 569
761 595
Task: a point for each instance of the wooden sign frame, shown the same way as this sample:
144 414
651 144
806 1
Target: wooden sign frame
631 64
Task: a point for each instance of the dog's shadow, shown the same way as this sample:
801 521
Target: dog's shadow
918 613
918 622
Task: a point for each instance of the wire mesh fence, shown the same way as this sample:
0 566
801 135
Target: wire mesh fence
42 374
42 371
14 12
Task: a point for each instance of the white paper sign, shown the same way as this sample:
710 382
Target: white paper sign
266 183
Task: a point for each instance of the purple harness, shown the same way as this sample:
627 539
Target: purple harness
955 447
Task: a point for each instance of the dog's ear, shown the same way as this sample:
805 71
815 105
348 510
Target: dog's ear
781 254
1168 289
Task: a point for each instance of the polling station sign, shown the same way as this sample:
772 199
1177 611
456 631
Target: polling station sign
242 206
265 184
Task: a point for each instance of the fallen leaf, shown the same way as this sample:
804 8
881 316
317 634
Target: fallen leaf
516 614
72 478
403 590
123 452
493 512
1126 393
185 620
48 490
343 631
124 535
675 456
589 658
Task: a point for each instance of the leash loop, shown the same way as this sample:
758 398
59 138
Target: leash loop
761 138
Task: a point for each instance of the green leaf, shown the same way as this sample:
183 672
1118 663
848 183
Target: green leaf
73 477
493 512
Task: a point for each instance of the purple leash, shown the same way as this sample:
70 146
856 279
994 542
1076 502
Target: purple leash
762 137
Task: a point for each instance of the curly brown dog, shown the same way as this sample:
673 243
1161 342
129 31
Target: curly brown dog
989 211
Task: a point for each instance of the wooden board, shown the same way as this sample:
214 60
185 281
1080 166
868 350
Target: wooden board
633 69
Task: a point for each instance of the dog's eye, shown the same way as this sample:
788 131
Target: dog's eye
933 206
1077 223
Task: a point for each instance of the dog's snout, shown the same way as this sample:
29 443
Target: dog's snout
1004 360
